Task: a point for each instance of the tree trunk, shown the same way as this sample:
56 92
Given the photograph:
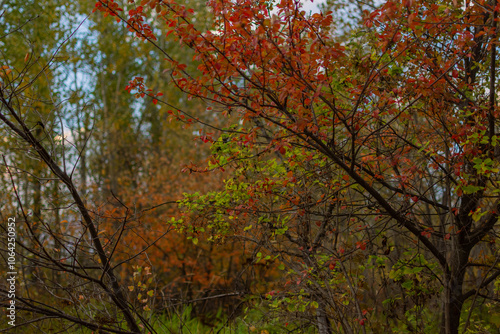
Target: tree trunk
453 296
322 320
452 307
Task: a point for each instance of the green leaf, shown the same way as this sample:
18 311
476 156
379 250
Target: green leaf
495 319
407 285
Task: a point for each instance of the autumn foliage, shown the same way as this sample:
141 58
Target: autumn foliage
343 179
390 135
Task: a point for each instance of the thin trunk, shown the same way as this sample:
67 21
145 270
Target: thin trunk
57 223
453 296
322 321
452 307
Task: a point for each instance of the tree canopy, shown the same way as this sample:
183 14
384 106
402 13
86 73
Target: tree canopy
338 170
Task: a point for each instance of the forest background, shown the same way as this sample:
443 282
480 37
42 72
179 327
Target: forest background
250 166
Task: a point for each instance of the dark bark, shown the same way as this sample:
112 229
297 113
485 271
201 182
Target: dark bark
453 297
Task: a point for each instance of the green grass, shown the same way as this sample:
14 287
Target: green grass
253 322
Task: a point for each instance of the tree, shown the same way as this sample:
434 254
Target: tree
394 132
90 174
136 153
66 266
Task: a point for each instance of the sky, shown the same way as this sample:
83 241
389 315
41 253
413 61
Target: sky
311 6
